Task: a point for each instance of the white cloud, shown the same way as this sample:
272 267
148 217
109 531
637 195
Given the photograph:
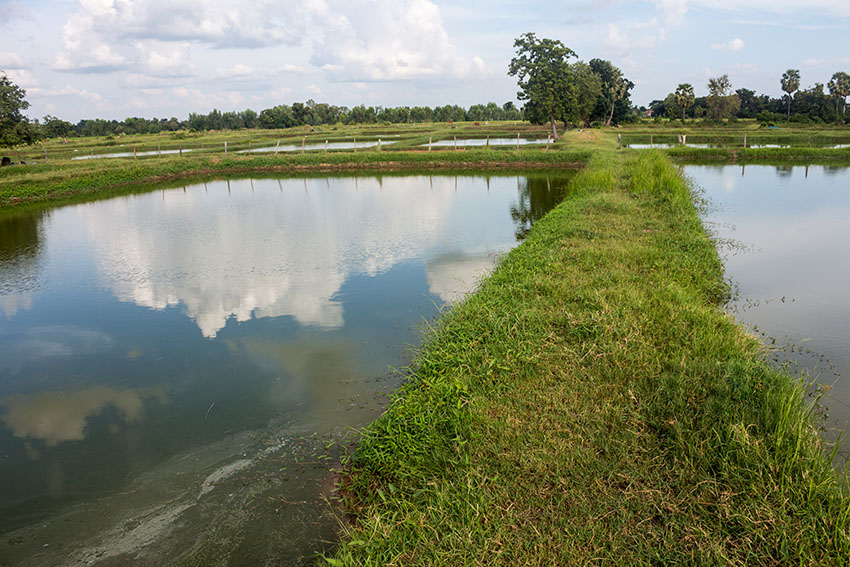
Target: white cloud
95 37
736 44
312 90
166 59
237 71
88 96
9 60
387 40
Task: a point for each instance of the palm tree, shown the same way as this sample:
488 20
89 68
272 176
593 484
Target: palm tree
839 87
684 97
790 83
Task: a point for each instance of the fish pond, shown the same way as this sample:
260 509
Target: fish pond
181 370
784 235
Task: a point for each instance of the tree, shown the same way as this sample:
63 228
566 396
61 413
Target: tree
839 88
721 103
790 83
585 90
542 70
14 126
614 85
684 97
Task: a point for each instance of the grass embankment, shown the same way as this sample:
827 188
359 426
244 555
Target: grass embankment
592 404
58 181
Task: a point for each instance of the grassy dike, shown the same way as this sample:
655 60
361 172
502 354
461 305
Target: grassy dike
593 405
64 180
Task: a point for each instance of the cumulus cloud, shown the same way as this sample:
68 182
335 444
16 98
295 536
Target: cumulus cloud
736 44
386 40
95 37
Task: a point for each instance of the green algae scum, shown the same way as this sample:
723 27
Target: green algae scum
592 404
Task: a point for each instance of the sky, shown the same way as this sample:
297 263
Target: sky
80 59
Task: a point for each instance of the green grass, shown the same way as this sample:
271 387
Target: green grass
592 404
57 181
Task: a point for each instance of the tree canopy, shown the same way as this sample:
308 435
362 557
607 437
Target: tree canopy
14 126
544 76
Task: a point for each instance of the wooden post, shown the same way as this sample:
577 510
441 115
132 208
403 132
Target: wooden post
181 150
19 158
650 141
225 153
619 141
45 154
488 140
429 143
326 145
134 152
548 138
455 142
745 141
517 141
91 152
303 143
685 139
379 144
249 145
355 143
810 139
277 147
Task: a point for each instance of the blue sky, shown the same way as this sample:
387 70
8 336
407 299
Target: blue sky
116 58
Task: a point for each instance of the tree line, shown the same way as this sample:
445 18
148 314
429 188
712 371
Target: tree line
818 104
15 128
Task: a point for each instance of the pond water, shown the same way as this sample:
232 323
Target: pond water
130 154
469 142
321 146
180 370
786 235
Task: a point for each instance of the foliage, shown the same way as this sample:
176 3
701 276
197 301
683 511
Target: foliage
615 89
14 127
839 88
721 102
790 83
684 97
544 76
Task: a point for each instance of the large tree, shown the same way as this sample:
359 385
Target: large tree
615 87
543 73
685 97
721 102
839 88
14 126
585 90
790 83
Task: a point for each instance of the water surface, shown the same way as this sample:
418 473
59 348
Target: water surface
180 369
787 234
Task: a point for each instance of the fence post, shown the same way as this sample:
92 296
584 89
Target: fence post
303 143
548 138
225 149
517 141
650 141
326 145
379 144
488 140
745 141
619 141
181 150
277 147
134 152
455 142
355 143
429 143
